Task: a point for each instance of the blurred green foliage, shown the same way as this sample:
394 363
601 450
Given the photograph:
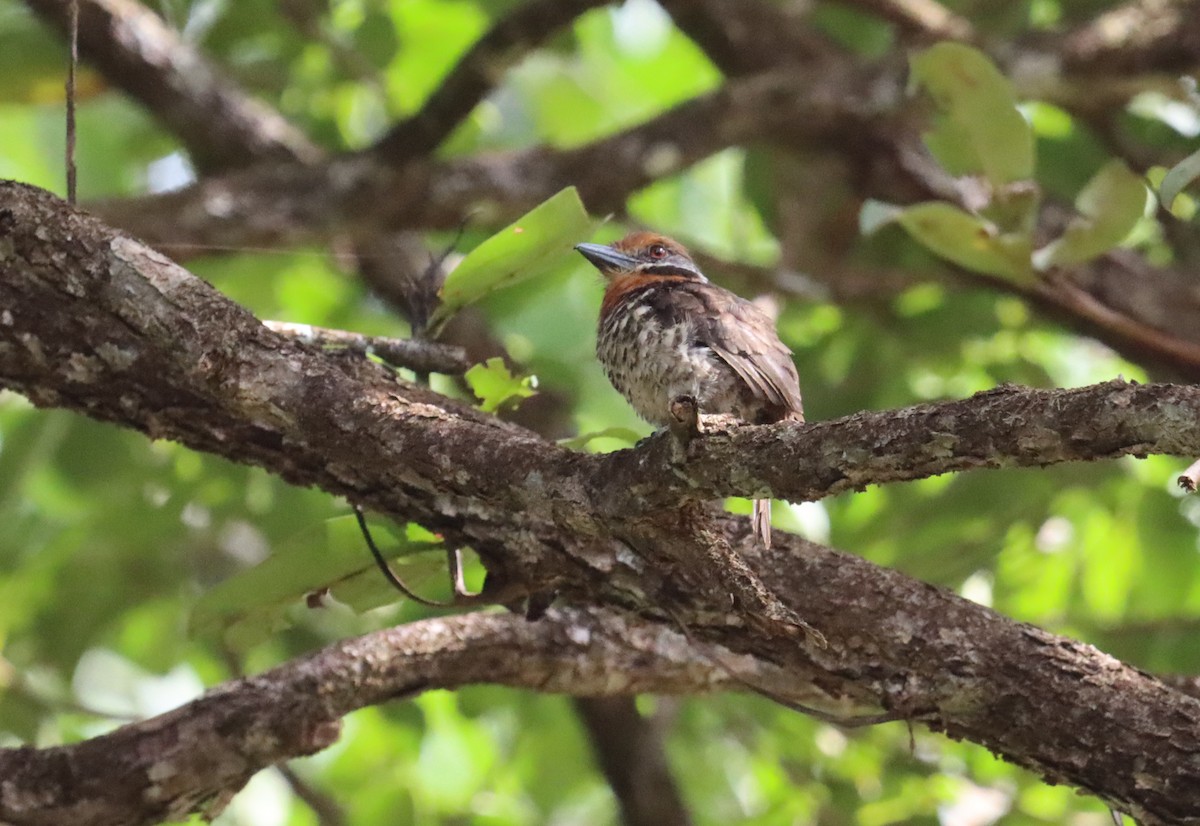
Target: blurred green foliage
979 131
116 549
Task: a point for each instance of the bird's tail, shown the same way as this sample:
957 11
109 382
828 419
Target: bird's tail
760 521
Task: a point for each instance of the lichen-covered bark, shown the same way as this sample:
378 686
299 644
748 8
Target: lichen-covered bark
94 321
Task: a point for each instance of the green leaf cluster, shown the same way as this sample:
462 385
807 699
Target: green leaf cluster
980 136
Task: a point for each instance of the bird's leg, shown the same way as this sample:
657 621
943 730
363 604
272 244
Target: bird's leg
684 424
685 418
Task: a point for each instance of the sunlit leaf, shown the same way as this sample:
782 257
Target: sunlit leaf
1110 205
521 250
956 235
495 386
979 130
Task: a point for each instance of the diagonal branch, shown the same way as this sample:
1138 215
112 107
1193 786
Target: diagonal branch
1141 36
476 73
921 19
417 355
287 204
95 322
221 126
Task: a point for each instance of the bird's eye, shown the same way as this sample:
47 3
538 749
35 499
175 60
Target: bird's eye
658 251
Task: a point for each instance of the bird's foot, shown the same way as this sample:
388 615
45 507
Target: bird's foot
684 422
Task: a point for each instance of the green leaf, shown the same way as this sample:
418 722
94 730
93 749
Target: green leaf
1110 206
331 556
1178 178
519 251
957 236
494 386
376 40
979 130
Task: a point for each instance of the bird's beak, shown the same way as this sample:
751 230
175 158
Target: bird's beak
607 259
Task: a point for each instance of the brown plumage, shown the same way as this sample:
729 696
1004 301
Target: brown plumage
665 331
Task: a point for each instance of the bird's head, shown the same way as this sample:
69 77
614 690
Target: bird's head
642 254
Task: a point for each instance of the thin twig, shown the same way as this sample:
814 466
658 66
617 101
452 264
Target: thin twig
421 356
428 289
388 573
73 41
1083 305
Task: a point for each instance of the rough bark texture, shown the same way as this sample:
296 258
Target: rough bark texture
96 322
197 756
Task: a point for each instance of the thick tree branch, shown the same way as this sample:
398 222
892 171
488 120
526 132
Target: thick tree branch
1009 426
193 759
221 126
95 322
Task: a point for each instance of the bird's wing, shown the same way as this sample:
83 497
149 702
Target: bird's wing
744 337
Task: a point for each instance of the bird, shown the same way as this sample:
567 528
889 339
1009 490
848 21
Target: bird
666 331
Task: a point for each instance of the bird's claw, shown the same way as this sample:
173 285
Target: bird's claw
685 419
